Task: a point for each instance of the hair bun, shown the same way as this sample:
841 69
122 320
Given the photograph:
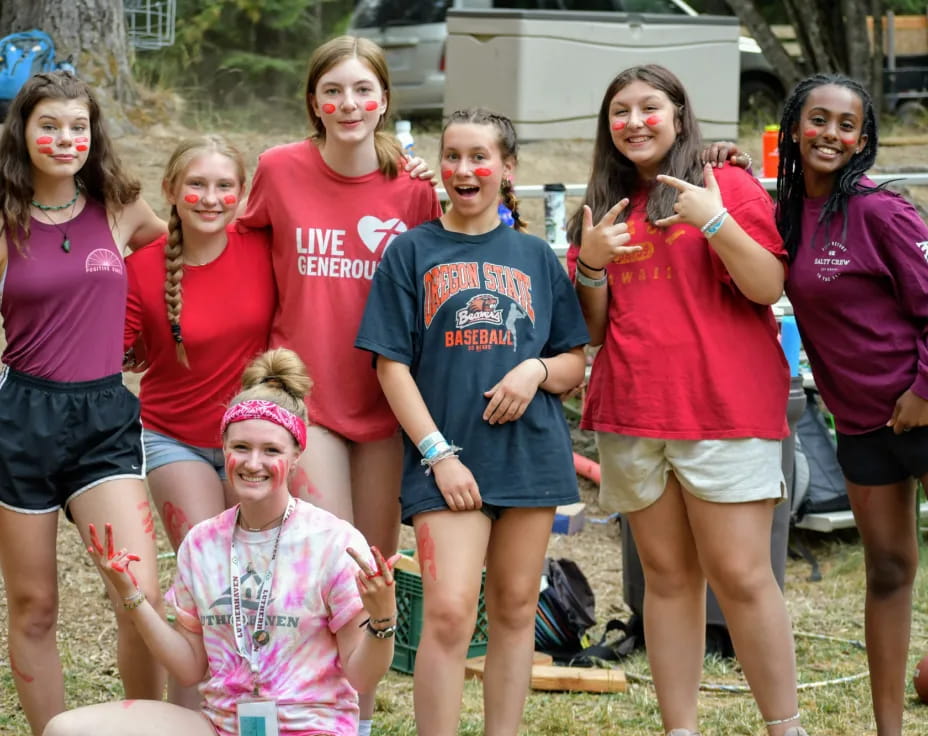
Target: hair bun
279 369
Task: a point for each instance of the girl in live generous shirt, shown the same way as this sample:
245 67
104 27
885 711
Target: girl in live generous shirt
70 436
334 203
676 265
858 282
282 612
476 332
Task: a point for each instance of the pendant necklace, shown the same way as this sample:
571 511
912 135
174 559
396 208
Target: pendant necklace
46 208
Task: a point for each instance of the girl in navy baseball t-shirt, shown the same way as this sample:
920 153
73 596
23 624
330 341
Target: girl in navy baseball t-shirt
858 282
477 331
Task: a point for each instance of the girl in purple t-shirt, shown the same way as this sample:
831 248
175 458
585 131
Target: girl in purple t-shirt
70 436
858 282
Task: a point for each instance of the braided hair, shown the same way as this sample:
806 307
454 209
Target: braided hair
508 147
790 182
185 153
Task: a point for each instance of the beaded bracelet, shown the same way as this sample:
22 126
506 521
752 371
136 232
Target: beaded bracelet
451 451
134 601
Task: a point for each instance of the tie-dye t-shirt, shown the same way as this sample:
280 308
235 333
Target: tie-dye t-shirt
313 595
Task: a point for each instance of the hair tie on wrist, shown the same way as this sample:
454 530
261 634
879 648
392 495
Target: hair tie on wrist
588 266
545 366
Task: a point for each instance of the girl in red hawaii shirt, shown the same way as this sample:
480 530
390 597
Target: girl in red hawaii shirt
334 202
676 264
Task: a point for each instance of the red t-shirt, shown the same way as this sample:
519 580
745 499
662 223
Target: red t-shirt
329 233
226 314
686 355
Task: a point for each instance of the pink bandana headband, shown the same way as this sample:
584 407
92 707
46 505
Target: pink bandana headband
268 410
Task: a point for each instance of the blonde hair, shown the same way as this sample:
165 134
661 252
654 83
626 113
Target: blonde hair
279 376
334 52
185 153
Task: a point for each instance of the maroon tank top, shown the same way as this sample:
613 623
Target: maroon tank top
63 313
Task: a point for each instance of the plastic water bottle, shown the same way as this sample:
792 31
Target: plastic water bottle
555 214
789 339
404 136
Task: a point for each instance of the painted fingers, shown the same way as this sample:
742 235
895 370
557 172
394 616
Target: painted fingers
607 240
695 205
375 584
113 564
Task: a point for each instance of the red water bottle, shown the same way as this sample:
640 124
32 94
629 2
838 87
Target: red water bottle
770 150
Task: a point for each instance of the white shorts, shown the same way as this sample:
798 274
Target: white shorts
635 470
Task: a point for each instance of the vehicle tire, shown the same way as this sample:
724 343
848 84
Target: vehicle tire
761 101
912 113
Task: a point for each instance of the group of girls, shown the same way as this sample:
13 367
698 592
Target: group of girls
475 330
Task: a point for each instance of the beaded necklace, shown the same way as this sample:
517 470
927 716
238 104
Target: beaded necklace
46 208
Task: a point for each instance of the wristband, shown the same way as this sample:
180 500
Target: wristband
592 283
436 449
451 450
428 441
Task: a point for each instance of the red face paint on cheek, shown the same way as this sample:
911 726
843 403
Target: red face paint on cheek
231 465
80 148
446 174
483 172
46 150
44 140
370 105
328 108
279 473
652 120
810 132
81 143
619 125
230 199
426 551
191 198
848 140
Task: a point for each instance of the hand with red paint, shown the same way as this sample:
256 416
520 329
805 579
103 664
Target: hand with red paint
716 154
695 205
607 240
457 485
510 397
375 586
910 411
114 565
417 168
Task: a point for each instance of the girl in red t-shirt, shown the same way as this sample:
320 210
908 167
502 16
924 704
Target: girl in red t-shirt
688 393
194 329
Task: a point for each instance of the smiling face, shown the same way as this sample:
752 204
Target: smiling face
259 456
473 168
58 137
829 133
207 193
349 101
643 125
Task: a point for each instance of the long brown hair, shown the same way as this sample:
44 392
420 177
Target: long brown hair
334 52
101 177
615 177
180 160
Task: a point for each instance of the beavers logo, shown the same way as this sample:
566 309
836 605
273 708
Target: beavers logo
480 308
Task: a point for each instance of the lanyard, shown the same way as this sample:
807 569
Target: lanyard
260 637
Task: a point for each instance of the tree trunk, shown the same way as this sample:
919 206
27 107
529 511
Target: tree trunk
877 8
772 47
92 32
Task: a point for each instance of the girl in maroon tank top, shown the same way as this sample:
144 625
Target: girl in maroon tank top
71 436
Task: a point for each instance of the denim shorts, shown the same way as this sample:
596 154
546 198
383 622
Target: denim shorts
162 450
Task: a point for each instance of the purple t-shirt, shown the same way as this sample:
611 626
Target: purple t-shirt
861 302
63 313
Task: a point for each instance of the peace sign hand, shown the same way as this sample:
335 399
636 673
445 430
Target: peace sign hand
695 205
114 565
604 242
375 585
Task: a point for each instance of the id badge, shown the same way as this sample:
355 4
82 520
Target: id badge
257 718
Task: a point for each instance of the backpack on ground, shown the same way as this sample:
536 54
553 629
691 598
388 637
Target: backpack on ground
22 55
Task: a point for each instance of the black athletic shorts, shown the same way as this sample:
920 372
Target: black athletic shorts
881 457
58 440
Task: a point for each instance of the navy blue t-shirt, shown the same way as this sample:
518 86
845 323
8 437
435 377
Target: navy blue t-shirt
461 311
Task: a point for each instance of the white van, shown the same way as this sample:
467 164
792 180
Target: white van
413 35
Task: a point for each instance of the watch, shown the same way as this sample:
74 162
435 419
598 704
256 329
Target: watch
386 633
